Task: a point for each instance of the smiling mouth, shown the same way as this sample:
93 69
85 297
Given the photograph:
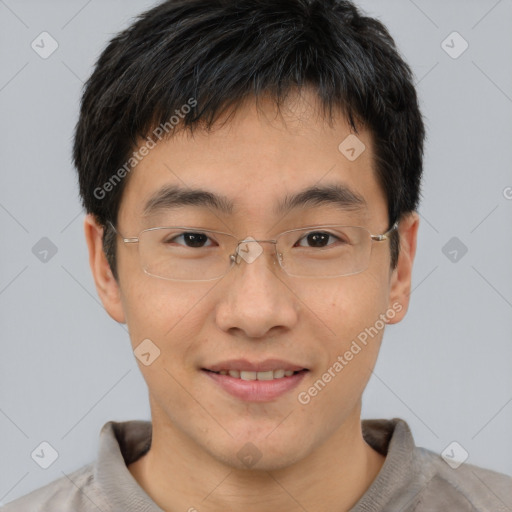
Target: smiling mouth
250 375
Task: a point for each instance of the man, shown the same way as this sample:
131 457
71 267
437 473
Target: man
251 172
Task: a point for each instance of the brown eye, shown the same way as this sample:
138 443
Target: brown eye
191 239
317 239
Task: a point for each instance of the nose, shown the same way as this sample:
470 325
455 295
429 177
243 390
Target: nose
254 299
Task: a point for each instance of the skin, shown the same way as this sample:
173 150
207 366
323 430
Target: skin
313 456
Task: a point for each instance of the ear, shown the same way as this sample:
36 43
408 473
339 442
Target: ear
106 285
400 283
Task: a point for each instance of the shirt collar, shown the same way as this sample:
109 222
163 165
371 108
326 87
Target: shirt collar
122 443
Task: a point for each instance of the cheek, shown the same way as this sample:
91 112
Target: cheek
165 312
347 304
164 322
350 309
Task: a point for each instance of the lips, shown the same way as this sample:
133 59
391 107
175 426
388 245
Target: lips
256 390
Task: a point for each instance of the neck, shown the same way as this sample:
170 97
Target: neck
179 475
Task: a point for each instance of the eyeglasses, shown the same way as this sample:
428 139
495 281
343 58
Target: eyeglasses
193 254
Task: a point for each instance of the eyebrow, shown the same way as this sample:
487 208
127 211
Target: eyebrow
333 194
171 197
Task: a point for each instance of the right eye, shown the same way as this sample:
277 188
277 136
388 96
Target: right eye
190 239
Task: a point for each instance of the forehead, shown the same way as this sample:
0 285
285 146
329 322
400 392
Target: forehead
258 162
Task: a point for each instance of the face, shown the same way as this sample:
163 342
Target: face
256 312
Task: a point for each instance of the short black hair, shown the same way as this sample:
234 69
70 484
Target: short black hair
212 55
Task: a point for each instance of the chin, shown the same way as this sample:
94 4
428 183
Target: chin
252 453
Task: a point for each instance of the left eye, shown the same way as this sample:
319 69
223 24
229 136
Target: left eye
317 239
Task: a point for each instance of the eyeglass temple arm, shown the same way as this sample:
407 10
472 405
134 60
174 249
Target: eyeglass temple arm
385 236
132 240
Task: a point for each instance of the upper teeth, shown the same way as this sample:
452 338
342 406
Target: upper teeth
246 375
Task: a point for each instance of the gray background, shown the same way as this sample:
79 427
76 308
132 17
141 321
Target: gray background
66 368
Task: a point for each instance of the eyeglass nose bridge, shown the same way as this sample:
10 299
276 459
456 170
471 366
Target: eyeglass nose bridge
244 251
